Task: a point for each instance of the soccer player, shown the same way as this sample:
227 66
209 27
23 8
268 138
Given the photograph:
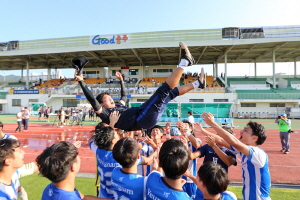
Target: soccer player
174 160
11 159
215 153
212 181
125 181
4 135
102 144
148 114
149 146
186 130
19 121
255 164
60 163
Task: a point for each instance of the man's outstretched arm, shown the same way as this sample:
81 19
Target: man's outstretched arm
229 138
88 94
123 90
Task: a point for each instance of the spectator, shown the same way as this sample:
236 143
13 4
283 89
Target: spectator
19 121
284 125
191 118
25 119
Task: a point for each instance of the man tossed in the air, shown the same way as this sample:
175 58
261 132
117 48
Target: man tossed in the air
149 113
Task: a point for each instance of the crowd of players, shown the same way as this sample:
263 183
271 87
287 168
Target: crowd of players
136 164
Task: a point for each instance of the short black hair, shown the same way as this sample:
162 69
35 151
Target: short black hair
7 148
126 151
104 136
190 112
1 124
100 97
55 162
259 131
161 129
214 177
173 158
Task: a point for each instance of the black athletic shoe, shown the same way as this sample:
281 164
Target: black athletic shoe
202 79
78 63
286 152
185 54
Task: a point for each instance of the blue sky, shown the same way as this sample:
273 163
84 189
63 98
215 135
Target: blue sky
31 20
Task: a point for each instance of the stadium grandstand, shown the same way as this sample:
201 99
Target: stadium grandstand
147 59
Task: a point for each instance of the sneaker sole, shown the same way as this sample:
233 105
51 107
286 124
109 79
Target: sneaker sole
203 82
187 54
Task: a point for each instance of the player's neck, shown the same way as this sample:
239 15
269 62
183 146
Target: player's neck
6 175
67 184
2 134
130 170
207 196
176 184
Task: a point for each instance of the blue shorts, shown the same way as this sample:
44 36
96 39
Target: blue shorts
151 111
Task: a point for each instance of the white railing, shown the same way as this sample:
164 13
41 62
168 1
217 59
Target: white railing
247 82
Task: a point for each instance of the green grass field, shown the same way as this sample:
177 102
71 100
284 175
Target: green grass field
34 185
267 123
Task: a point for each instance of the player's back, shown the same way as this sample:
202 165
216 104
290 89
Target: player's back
157 188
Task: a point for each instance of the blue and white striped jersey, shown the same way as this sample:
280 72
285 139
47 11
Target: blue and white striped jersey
255 174
10 192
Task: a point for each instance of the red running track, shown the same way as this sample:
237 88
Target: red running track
284 168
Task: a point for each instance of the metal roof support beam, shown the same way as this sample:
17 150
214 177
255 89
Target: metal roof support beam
237 58
225 53
158 56
98 57
30 62
268 52
288 53
201 54
138 57
115 54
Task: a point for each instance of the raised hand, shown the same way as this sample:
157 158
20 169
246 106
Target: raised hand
119 76
113 118
208 118
210 140
198 127
167 128
77 144
78 77
184 140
